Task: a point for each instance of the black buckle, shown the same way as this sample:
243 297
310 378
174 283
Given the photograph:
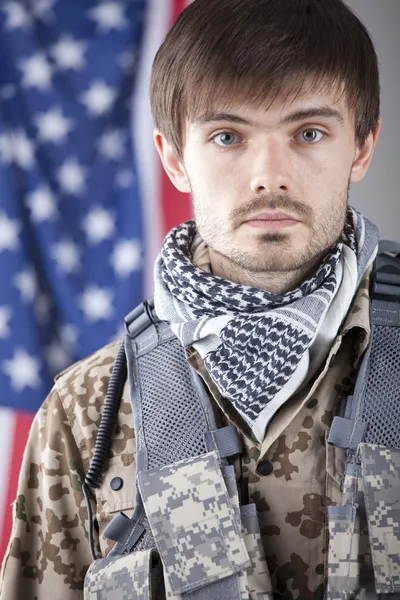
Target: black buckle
386 278
140 318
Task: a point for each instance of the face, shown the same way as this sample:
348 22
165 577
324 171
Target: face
270 187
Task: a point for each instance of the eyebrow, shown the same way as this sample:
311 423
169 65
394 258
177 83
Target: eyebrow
325 112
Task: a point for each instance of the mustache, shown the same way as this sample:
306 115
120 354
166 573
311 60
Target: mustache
269 203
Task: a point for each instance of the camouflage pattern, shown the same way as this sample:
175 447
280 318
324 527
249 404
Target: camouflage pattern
258 580
344 542
360 580
121 578
381 477
49 555
193 522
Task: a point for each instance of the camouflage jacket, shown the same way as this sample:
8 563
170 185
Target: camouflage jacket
293 476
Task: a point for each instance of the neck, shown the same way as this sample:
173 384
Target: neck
274 282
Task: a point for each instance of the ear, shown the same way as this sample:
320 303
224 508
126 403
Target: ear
364 155
172 165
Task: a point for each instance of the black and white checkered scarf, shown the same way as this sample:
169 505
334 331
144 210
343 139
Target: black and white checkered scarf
260 348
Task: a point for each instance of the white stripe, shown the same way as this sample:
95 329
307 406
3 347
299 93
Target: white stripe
158 18
7 420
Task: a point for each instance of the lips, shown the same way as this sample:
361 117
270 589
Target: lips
269 216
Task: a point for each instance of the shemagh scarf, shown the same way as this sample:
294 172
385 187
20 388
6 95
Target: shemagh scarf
260 348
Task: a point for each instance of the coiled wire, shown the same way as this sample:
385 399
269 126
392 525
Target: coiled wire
108 422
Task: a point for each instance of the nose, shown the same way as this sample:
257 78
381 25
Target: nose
271 173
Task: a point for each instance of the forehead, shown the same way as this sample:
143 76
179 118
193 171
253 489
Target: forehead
309 102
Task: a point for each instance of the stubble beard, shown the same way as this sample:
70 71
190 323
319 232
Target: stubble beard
273 251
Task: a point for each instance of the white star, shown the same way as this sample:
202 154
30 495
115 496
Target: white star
124 178
53 126
42 204
23 370
99 225
68 53
69 336
5 316
111 144
71 177
23 150
36 72
57 357
26 282
16 15
9 232
42 9
42 308
127 60
126 257
15 145
66 254
6 149
109 15
8 91
96 303
98 98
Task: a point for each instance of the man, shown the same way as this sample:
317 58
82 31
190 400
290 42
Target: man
266 111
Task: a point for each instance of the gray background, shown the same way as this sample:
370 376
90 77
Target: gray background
378 195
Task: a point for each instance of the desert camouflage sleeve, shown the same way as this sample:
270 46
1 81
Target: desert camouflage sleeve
48 553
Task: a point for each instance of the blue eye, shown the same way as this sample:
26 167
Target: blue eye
226 139
310 138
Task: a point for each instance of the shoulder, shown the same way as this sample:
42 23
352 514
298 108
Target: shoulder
82 390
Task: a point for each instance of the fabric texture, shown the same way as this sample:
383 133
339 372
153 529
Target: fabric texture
49 554
260 348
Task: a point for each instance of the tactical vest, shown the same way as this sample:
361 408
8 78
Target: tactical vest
189 537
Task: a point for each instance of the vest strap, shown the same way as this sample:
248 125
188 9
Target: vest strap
225 440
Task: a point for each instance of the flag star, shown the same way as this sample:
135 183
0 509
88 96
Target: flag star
111 144
36 72
26 282
99 225
42 204
5 316
42 9
6 150
127 60
69 336
15 145
23 370
96 303
16 15
42 309
109 15
124 178
66 254
8 91
71 177
98 98
53 126
68 53
57 357
9 232
126 257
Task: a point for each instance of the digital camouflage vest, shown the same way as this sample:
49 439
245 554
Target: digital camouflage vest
188 535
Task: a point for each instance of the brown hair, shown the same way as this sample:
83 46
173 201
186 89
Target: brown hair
258 50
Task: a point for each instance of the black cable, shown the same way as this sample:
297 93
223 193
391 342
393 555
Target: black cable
108 421
101 452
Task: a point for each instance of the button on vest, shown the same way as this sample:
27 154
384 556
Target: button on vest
265 467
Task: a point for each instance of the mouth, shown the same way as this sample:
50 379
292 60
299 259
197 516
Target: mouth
272 221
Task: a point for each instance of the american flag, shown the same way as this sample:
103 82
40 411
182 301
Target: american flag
84 202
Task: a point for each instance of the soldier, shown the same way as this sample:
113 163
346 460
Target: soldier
266 111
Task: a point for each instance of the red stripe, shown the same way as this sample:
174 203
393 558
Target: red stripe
176 207
22 424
